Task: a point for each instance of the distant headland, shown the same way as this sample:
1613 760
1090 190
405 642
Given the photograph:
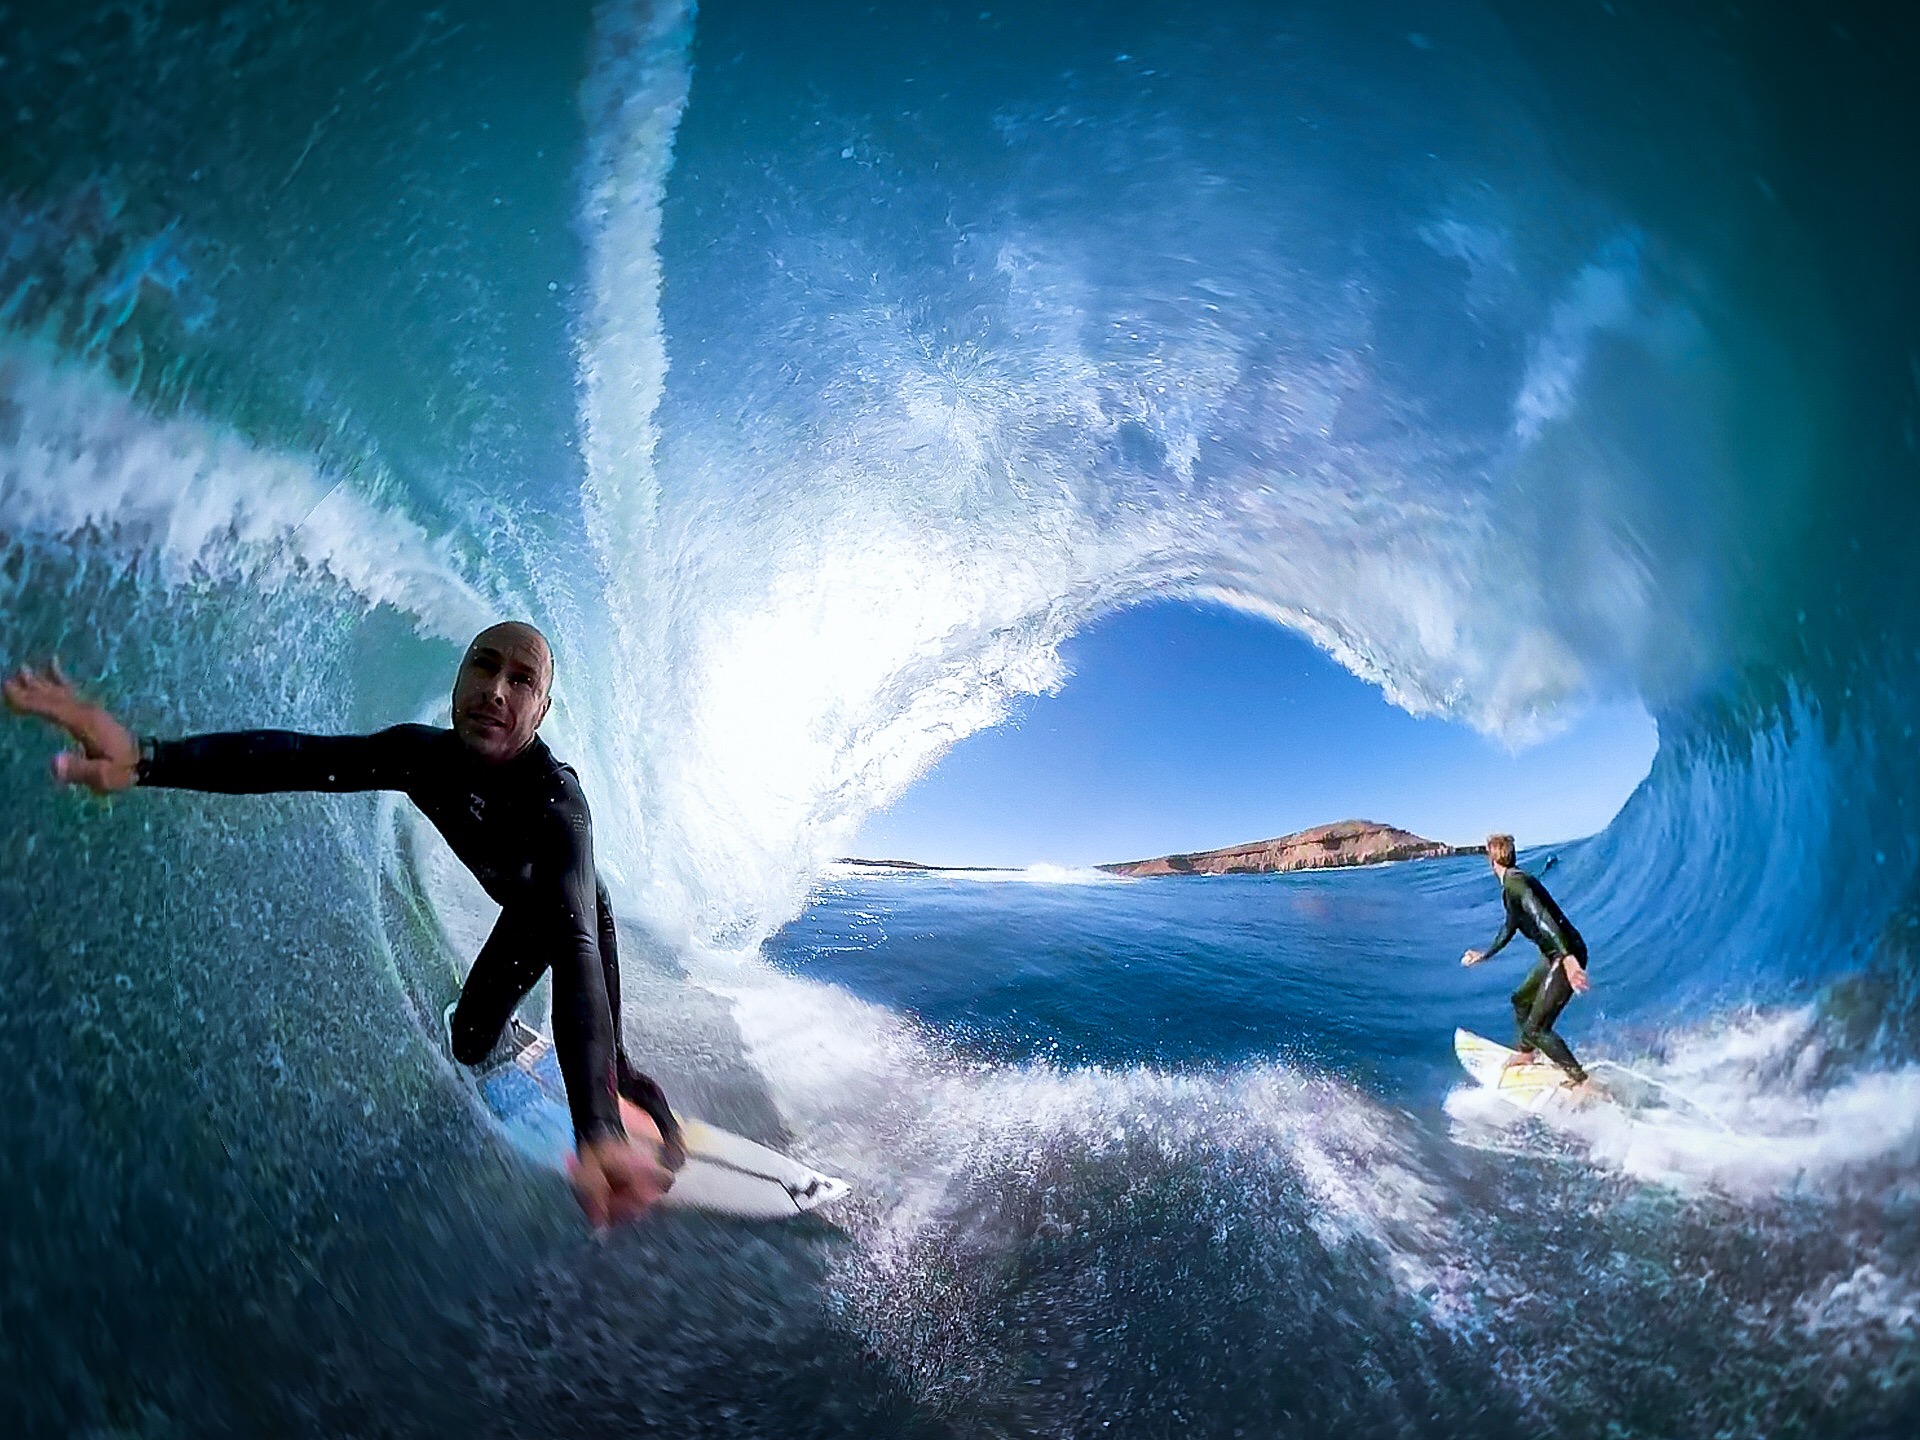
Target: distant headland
1324 847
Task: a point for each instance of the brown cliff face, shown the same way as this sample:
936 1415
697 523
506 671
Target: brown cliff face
1325 847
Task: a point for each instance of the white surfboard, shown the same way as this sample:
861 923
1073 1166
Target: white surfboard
725 1174
1538 1087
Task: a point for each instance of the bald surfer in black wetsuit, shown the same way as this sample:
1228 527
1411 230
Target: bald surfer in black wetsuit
1561 973
518 820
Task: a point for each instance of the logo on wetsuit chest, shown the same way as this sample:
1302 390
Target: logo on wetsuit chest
477 808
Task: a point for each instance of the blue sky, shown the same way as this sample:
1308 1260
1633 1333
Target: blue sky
1187 728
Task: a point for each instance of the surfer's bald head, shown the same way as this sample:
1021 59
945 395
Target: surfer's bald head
503 690
513 635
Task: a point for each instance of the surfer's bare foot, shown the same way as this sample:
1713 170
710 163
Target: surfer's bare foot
1586 1091
1523 1057
616 1180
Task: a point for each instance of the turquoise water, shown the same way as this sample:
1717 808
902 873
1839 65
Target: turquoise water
812 375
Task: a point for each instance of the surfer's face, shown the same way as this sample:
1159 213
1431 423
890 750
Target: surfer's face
502 692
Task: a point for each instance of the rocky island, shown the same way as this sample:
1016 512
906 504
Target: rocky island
1324 847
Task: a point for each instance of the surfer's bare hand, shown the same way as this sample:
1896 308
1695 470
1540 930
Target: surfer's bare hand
1472 957
1576 975
109 756
617 1179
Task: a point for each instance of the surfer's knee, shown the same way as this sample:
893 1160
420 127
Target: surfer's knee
470 1045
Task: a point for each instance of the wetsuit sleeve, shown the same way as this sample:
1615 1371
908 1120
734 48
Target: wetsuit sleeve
260 762
1507 929
560 913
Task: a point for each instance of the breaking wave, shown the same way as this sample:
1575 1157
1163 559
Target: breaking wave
812 378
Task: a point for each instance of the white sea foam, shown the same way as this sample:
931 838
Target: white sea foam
1861 1313
1602 298
1063 875
1738 1109
1024 875
79 458
936 1142
978 875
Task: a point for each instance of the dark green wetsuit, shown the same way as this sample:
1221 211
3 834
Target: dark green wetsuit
1546 991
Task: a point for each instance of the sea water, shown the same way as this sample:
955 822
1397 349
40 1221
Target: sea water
811 374
1172 1121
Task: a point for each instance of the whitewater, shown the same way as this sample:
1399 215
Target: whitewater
812 376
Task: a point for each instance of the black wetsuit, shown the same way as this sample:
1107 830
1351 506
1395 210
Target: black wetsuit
523 829
1546 991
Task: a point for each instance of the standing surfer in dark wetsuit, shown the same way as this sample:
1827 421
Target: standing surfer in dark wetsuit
518 820
1561 973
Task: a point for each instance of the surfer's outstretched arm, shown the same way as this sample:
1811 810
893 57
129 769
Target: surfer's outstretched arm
1507 932
250 762
563 912
614 1178
1474 957
262 762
